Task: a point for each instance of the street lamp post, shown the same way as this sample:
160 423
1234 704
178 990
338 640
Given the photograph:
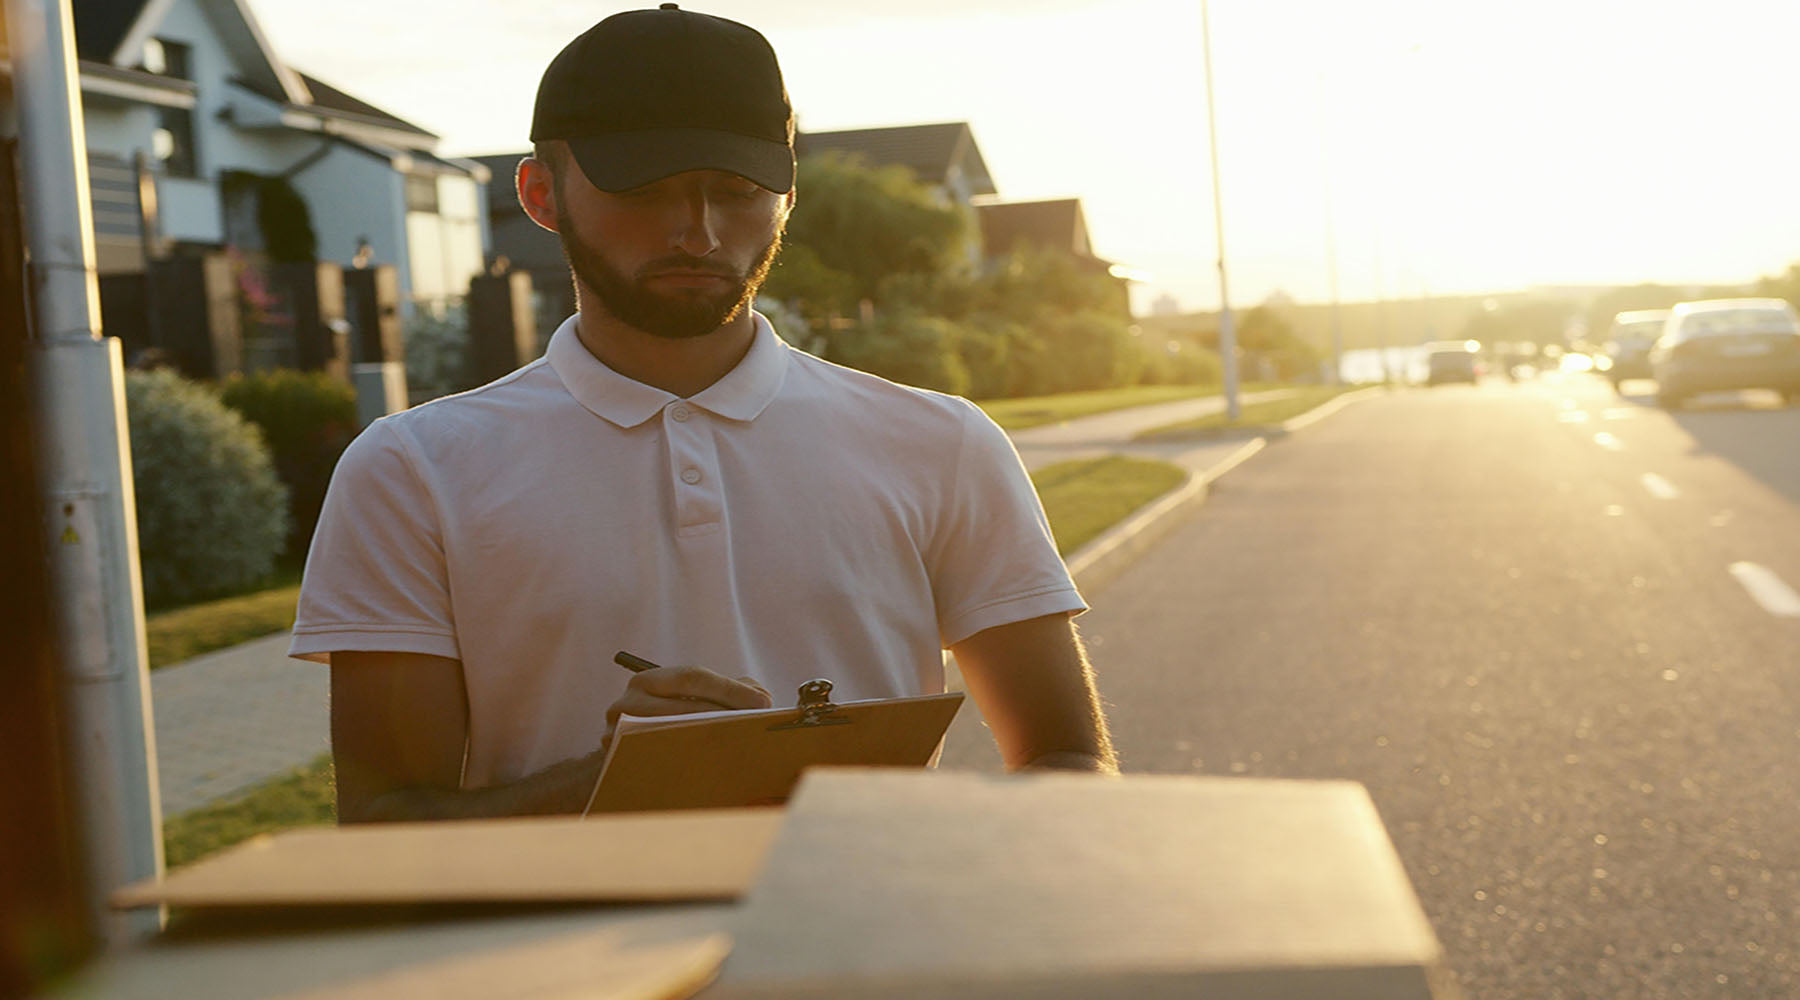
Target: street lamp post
1227 336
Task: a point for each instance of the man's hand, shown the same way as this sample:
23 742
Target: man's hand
680 690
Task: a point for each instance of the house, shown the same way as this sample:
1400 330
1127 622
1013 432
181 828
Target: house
1057 225
198 134
943 156
526 245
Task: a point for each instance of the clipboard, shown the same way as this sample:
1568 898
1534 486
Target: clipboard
731 759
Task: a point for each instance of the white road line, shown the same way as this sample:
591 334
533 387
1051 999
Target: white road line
1659 487
1767 589
1608 442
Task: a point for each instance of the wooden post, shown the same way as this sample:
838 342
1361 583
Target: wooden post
502 325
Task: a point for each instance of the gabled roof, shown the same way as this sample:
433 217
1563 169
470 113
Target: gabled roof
325 97
101 25
109 33
929 150
1057 224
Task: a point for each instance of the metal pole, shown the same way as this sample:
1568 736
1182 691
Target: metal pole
1331 254
79 408
1227 336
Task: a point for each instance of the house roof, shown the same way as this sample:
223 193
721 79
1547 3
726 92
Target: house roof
325 97
1057 224
929 150
101 25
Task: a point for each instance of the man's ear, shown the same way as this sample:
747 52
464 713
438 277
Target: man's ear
537 191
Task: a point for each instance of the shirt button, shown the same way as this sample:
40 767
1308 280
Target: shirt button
690 476
680 413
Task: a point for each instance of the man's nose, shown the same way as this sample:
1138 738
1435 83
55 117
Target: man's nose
698 234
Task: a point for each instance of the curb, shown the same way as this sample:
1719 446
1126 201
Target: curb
1099 561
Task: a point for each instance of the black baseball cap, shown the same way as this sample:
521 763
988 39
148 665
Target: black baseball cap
646 94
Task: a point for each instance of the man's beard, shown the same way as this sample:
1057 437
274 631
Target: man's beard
629 299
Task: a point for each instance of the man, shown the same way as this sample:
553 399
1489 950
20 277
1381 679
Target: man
672 480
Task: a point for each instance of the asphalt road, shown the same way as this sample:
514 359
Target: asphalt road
1536 621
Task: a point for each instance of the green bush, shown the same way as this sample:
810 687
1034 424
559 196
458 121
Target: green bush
905 348
211 513
437 351
306 419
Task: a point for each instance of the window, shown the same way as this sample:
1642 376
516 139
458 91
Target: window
171 59
421 193
173 142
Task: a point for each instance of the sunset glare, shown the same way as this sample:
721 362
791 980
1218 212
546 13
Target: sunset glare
1460 148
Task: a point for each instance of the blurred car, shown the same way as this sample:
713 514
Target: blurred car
1628 345
1456 361
1716 345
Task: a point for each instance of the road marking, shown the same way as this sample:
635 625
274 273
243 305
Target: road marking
1618 413
1573 416
1609 442
1767 589
1659 487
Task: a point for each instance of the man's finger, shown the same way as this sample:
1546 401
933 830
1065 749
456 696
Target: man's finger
699 684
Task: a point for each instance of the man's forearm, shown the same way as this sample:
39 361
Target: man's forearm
1103 762
559 789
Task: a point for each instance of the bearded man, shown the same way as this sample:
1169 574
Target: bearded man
670 479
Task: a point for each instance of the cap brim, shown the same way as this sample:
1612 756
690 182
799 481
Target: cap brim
620 161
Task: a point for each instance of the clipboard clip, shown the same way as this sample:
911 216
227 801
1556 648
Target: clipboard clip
815 707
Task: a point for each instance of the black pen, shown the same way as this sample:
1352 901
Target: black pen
635 664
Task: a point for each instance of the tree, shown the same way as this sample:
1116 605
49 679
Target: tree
1536 320
855 227
1782 286
1268 343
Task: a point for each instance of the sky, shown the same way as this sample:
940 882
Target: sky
1387 148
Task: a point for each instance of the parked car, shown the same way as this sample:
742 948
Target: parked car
1456 361
1628 345
1716 345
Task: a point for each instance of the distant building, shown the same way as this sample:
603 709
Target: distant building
1057 225
526 245
943 156
1165 305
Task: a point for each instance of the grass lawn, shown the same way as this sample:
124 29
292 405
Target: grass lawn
305 797
180 633
1253 415
1085 497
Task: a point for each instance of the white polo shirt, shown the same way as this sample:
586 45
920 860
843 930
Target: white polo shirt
794 520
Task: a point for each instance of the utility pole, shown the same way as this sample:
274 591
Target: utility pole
1227 336
1331 254
79 412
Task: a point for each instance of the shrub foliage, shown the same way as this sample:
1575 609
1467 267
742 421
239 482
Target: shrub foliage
211 513
306 419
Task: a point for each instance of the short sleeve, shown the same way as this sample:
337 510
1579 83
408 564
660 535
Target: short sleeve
376 577
992 559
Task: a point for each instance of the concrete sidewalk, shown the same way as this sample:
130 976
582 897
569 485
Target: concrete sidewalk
232 719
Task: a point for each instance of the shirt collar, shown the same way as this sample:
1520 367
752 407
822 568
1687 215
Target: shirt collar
741 395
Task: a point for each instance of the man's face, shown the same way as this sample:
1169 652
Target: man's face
677 258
